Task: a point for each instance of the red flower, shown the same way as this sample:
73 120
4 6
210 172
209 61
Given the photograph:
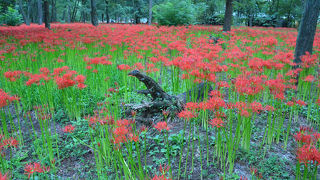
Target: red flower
4 176
309 78
124 67
301 103
216 122
162 125
68 129
80 79
5 98
143 128
35 167
186 114
81 86
156 177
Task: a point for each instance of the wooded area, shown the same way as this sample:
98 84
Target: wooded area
276 13
159 89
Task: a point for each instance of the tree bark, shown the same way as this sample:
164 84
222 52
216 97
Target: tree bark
74 11
150 12
228 16
68 15
162 100
39 12
107 11
46 14
94 19
53 11
83 13
307 29
25 17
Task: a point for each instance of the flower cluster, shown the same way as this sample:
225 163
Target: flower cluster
68 129
35 167
307 151
123 132
7 143
5 98
162 125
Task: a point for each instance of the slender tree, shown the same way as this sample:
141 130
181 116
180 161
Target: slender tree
228 16
107 11
46 14
40 12
53 11
307 29
150 12
24 15
94 19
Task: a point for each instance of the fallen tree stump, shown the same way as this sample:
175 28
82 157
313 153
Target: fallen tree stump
162 101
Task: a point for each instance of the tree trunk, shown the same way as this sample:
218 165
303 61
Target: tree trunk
150 12
46 14
307 29
29 11
94 19
228 16
83 13
53 11
107 11
25 17
68 16
162 100
40 12
74 10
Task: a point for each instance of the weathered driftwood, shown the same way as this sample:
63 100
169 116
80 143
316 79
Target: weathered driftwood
162 100
153 88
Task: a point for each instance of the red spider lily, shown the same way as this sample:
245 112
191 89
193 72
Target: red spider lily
35 167
309 78
254 171
306 136
81 86
5 98
68 129
164 169
123 132
163 177
191 106
243 178
308 154
165 113
143 128
133 113
216 122
309 60
124 67
162 125
12 75
133 137
64 82
4 176
10 142
80 79
221 84
249 85
277 87
186 114
98 60
301 103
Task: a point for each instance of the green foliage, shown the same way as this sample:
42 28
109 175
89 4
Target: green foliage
11 17
175 12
